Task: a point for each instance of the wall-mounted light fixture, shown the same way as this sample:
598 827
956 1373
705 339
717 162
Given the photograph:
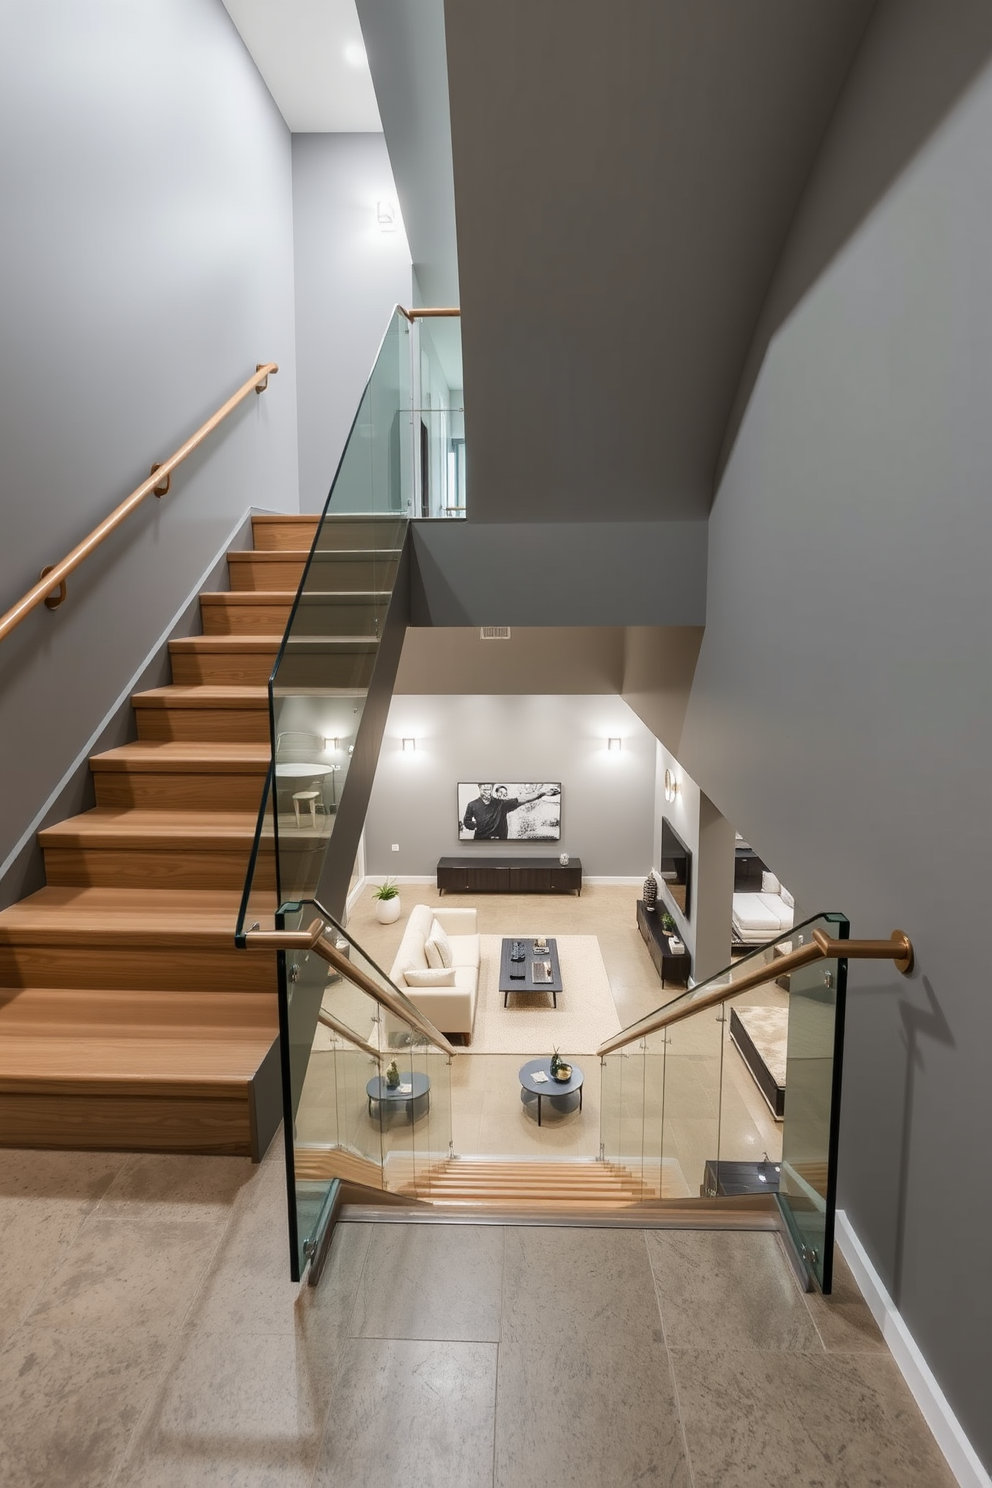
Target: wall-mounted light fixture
614 745
331 746
409 745
671 785
385 212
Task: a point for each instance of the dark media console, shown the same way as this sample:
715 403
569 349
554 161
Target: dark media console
509 876
670 968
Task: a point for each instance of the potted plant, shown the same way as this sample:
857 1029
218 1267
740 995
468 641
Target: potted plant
560 1070
387 902
667 923
392 1077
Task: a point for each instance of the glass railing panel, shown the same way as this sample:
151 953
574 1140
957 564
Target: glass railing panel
438 420
690 1135
807 1190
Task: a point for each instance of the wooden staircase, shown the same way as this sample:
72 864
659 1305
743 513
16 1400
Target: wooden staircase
492 1185
128 1020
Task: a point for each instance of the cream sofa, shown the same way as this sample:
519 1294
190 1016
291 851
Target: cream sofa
450 1008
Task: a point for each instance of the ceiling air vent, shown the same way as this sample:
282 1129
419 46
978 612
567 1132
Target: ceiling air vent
494 633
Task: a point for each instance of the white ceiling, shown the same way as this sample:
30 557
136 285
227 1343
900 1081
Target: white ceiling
302 49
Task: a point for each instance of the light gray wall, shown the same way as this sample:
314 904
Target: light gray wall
607 798
349 275
842 709
559 573
563 659
145 268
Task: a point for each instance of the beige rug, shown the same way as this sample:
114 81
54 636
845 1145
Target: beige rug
584 1017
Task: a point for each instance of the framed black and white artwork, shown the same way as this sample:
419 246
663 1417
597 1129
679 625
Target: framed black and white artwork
509 811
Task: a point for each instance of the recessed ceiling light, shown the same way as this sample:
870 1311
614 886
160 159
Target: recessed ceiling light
354 55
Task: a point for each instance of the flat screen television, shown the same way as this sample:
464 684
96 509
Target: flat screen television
509 810
676 866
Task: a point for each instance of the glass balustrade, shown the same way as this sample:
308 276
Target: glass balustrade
741 1097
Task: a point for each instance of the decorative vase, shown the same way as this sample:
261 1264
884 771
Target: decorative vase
387 911
650 893
563 859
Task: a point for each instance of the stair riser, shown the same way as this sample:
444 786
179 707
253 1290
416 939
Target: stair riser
137 968
330 574
225 615
253 669
154 868
340 534
108 1123
208 725
351 670
179 791
330 616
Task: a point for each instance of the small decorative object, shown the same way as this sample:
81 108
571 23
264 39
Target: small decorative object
392 1077
560 1071
563 859
387 902
677 946
650 893
540 943
667 923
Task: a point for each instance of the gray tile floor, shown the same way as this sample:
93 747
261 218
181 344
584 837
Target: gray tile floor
149 1336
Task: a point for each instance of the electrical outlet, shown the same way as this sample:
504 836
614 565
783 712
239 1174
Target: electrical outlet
396 847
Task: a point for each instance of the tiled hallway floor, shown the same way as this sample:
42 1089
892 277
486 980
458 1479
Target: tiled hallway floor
149 1336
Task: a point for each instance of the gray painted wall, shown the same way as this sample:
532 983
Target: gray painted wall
147 266
349 275
559 573
842 707
607 798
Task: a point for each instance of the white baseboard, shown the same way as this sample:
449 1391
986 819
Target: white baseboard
961 1456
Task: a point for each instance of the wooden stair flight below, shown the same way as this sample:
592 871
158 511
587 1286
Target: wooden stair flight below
502 1184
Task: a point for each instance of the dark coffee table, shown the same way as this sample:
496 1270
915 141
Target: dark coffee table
419 1094
519 976
549 1089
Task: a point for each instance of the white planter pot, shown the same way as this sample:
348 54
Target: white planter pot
387 911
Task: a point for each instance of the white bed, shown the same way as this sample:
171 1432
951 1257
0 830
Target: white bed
760 917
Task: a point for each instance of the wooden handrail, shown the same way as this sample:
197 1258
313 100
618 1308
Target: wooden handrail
343 1031
898 947
429 314
314 939
54 577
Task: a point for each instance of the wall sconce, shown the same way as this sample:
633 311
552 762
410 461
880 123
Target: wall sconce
671 785
614 745
409 745
385 212
331 746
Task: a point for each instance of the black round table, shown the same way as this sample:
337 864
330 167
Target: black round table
418 1094
549 1089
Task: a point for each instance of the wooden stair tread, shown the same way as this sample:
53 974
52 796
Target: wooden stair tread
287 596
253 644
193 756
232 1014
124 826
203 695
142 918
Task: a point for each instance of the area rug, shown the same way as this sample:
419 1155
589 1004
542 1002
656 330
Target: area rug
584 1017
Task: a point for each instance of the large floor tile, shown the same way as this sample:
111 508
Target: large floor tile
580 1285
728 1290
411 1412
118 1274
45 1197
165 1187
71 1398
244 1411
775 1420
843 1320
431 1281
586 1410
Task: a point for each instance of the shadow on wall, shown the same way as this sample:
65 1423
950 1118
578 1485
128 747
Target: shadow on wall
934 54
